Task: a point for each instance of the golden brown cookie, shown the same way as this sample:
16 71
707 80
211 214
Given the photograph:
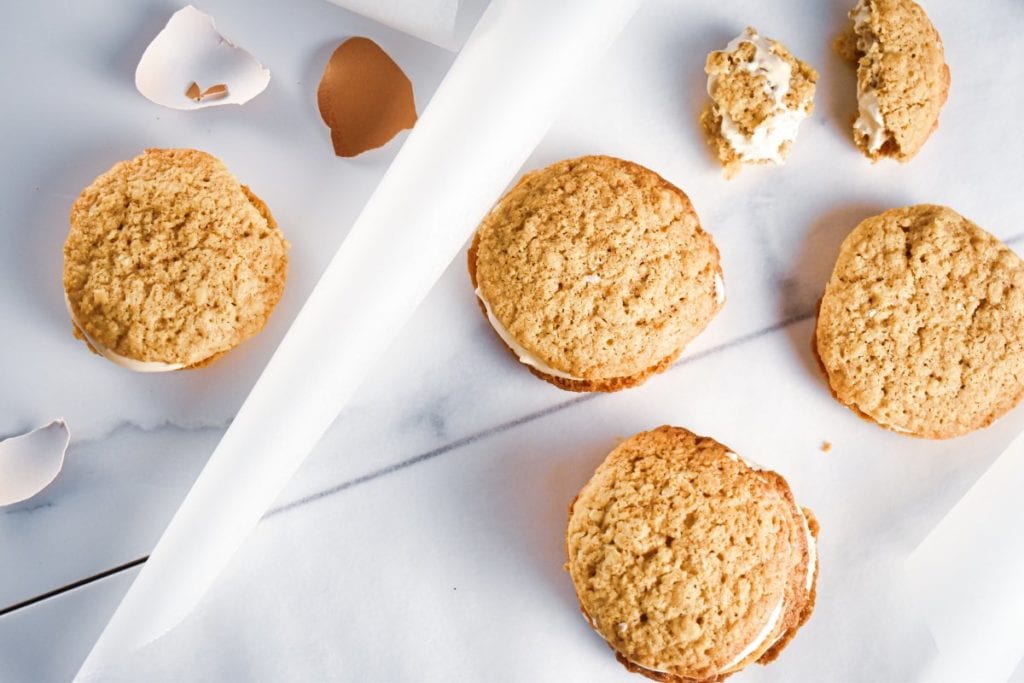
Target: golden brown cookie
690 562
760 93
921 327
170 262
902 77
595 272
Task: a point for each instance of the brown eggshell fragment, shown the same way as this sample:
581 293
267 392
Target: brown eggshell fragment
215 92
364 97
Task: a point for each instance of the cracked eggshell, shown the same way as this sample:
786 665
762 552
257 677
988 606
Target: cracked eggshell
189 50
364 97
29 462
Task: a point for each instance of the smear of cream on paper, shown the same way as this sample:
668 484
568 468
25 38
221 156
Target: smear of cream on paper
189 65
364 97
30 462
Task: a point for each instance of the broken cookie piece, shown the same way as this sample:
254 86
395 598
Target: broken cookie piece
902 77
760 93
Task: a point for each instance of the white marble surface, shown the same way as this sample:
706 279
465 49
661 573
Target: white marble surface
422 540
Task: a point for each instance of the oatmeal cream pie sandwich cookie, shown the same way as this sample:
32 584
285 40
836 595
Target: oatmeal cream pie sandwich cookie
170 262
921 327
690 561
595 273
902 77
760 93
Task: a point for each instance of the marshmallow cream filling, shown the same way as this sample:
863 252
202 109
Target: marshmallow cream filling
530 359
123 361
758 642
760 639
812 550
735 457
768 138
869 123
524 356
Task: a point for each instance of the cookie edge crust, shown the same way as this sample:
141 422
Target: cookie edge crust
934 435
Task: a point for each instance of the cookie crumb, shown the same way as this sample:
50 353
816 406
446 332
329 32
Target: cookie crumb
826 446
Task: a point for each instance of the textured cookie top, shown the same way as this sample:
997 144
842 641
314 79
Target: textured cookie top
682 554
921 327
169 259
902 77
760 93
598 267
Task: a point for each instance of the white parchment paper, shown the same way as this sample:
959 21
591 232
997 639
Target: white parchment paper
966 577
431 20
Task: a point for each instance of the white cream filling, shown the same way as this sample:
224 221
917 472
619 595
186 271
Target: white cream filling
533 361
768 138
861 14
117 359
869 124
896 428
760 639
719 289
738 458
524 356
812 551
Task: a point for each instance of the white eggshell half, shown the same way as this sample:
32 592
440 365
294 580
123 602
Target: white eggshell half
188 50
29 462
